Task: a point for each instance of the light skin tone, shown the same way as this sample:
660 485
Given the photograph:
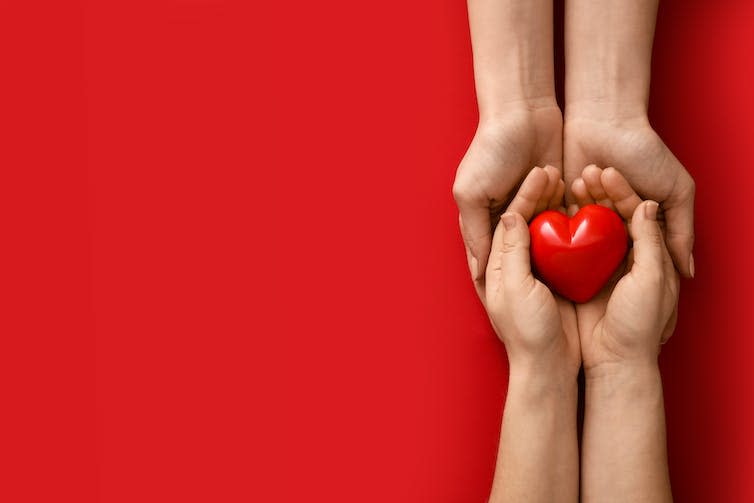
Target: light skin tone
608 55
608 49
616 336
624 457
538 458
520 123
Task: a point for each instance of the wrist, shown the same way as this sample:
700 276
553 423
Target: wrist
537 390
502 107
627 381
542 376
617 112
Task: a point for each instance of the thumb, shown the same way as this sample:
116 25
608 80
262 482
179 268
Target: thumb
648 240
511 250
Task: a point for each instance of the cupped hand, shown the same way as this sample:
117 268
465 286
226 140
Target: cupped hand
537 327
629 320
636 151
503 151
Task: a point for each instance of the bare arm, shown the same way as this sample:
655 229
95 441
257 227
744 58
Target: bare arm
624 447
624 452
520 123
512 44
538 458
538 455
609 53
608 61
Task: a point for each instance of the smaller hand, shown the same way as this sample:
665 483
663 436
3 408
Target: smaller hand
538 328
627 322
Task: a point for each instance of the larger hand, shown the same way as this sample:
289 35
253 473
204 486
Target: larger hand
503 151
634 149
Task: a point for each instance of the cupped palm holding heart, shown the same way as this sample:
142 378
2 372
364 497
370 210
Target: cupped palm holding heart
575 256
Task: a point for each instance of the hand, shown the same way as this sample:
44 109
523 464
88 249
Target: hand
631 146
502 152
538 328
628 323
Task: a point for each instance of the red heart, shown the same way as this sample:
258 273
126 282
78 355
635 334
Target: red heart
576 256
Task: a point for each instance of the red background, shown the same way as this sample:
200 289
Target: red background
233 271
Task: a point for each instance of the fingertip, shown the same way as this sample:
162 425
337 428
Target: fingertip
609 171
509 221
557 198
535 177
650 210
592 177
547 195
590 171
515 227
683 257
581 193
552 171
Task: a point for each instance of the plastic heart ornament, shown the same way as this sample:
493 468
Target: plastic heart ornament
576 256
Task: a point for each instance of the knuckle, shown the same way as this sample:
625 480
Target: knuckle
462 191
655 239
509 247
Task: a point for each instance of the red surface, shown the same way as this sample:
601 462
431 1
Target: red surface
233 271
576 256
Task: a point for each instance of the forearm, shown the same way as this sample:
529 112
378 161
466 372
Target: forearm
624 453
608 57
513 54
538 454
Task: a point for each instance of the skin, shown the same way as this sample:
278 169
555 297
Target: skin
624 456
617 338
617 334
520 123
538 455
608 48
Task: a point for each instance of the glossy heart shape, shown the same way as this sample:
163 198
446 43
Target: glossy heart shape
576 256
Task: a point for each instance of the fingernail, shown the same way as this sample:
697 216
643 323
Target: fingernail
691 265
650 210
509 221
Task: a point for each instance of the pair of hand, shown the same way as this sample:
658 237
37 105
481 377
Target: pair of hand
626 323
504 150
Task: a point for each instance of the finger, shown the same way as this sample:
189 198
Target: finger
574 161
648 241
513 252
580 193
553 177
474 220
667 332
620 192
592 176
679 224
479 284
529 194
556 201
